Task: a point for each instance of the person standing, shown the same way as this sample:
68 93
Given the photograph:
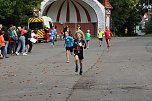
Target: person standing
1 26
2 45
21 41
88 37
100 37
79 45
13 39
30 39
69 45
53 36
6 38
126 31
27 40
47 36
108 36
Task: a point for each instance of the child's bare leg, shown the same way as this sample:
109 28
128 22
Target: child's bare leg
81 61
76 63
27 48
1 56
67 56
100 43
88 44
108 43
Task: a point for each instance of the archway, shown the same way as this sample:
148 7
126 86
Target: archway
89 14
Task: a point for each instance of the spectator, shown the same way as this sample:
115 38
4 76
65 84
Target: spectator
6 38
30 39
47 36
13 39
2 45
21 42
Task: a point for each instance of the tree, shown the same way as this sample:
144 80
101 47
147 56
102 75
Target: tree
122 10
6 8
148 26
127 13
17 12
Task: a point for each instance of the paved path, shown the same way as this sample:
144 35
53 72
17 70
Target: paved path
121 74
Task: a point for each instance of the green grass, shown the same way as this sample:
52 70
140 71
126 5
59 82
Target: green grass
148 34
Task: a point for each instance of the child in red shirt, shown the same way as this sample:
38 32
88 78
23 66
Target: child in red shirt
107 36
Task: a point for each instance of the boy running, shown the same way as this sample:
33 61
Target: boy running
79 45
100 37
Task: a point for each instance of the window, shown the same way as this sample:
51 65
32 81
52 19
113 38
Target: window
36 25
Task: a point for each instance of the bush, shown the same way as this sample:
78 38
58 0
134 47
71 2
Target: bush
148 26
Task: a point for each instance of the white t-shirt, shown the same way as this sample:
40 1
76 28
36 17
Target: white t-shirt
33 38
33 35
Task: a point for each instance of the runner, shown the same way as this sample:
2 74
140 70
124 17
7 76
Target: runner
108 36
79 45
69 45
88 37
100 37
53 36
21 41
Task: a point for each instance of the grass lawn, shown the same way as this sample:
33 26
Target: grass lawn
148 34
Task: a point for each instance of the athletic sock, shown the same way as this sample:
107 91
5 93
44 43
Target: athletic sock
81 71
76 68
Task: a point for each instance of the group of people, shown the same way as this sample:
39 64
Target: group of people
20 41
107 34
79 41
15 41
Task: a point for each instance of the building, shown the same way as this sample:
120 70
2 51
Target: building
140 29
89 14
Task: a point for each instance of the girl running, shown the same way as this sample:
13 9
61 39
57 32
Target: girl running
88 37
79 45
69 45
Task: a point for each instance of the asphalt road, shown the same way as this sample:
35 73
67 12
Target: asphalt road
122 74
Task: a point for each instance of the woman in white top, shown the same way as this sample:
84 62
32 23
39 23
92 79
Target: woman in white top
31 38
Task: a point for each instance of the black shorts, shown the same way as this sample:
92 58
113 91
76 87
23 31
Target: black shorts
69 49
100 39
107 39
80 56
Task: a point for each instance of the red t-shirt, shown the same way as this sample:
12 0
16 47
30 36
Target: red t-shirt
107 34
22 32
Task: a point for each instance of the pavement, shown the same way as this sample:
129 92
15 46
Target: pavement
122 73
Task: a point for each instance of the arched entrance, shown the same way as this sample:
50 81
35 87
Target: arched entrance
89 14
